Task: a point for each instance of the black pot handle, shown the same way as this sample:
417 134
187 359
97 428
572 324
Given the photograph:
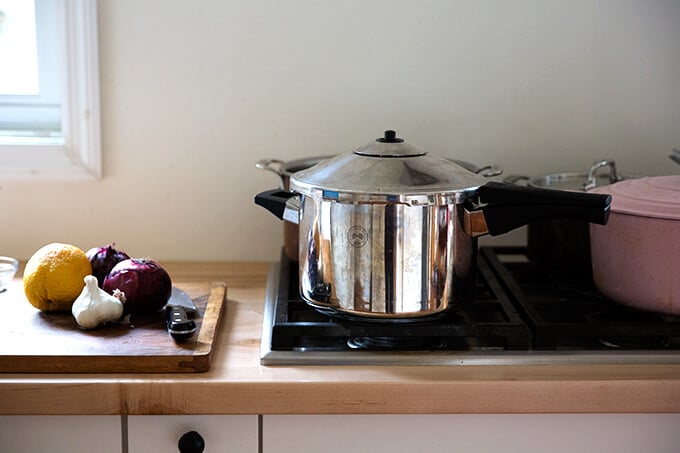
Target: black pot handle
509 206
274 201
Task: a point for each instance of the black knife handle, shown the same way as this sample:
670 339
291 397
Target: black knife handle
179 325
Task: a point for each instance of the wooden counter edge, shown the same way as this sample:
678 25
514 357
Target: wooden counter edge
153 398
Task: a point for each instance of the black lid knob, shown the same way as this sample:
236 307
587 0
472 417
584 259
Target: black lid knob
389 146
390 137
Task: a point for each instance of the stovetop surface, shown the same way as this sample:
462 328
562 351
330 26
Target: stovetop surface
524 312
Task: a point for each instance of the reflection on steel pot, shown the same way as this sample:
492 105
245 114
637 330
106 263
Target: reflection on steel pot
565 241
285 169
636 257
390 232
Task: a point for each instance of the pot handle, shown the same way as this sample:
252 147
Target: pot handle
591 183
284 205
273 165
675 155
517 179
506 207
489 171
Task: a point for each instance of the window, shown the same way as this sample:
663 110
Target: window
18 48
49 90
29 92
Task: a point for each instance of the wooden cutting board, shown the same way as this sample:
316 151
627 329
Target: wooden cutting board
34 341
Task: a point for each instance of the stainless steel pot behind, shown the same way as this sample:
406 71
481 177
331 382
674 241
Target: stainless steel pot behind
285 169
566 241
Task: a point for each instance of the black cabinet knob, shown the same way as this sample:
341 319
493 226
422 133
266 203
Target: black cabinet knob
191 442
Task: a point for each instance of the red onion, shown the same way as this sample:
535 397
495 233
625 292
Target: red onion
103 259
144 283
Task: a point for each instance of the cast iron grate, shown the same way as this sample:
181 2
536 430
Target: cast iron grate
565 310
491 322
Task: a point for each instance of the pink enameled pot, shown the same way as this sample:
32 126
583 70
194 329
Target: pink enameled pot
636 256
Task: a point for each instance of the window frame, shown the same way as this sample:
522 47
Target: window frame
76 154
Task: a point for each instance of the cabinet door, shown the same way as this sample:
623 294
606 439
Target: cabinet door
61 433
160 433
517 433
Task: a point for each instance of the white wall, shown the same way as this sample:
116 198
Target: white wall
193 93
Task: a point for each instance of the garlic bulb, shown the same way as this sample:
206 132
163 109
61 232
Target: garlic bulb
95 306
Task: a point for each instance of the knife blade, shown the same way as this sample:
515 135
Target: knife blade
178 310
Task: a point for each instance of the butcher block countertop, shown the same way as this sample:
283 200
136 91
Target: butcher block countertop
236 383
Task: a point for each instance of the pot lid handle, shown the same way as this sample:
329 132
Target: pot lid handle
390 137
389 146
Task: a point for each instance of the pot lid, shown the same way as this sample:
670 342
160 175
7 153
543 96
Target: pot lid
565 181
654 196
576 181
387 169
583 181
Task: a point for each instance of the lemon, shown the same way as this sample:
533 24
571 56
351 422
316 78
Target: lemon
54 276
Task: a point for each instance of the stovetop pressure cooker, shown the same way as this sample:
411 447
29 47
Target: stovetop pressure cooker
389 232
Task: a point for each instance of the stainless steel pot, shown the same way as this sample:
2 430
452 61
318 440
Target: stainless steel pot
285 169
390 232
566 241
601 173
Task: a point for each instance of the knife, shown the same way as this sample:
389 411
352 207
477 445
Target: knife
178 310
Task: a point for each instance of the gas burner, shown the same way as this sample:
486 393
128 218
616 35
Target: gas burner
397 343
636 342
432 319
627 337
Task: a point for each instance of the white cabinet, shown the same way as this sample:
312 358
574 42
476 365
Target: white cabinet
512 433
221 433
521 433
63 433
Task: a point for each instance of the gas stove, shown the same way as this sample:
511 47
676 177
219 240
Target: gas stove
524 312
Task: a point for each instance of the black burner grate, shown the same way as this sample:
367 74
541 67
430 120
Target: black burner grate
565 310
489 323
